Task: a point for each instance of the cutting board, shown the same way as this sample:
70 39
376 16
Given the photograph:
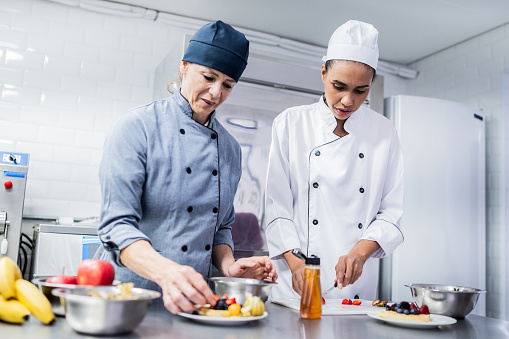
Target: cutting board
333 306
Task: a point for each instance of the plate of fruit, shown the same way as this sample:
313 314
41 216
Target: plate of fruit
410 315
227 311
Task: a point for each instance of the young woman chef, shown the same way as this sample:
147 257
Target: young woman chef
168 177
335 177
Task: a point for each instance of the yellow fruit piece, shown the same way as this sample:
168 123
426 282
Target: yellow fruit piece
13 311
9 273
30 296
234 310
258 307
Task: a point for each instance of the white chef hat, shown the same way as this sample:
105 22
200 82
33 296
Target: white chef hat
356 41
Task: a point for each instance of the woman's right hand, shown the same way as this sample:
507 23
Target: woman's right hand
183 287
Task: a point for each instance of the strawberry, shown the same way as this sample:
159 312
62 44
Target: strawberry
424 309
356 302
230 301
323 301
412 306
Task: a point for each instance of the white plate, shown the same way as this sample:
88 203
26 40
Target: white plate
221 320
434 321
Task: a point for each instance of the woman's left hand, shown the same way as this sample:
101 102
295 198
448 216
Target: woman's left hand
253 267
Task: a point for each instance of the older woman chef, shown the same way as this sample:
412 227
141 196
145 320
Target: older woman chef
168 176
335 177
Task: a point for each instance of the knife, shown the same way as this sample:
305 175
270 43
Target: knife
330 289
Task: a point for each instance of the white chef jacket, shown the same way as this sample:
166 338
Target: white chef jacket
325 193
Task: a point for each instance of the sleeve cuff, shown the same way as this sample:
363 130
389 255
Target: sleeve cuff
386 234
119 237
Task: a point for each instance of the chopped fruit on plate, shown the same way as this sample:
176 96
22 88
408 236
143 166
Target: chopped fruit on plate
406 311
228 307
346 302
379 303
356 302
323 301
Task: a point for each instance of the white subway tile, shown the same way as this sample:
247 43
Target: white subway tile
56 136
102 38
42 80
24 59
79 121
135 44
29 24
67 32
59 100
7 145
121 107
455 64
467 47
96 156
9 111
133 77
90 139
103 123
114 90
492 37
5 21
66 66
21 95
79 85
478 56
119 58
119 24
11 75
84 209
95 105
45 207
13 39
98 71
53 171
39 115
146 62
455 93
72 155
85 174
37 151
45 44
94 193
37 188
17 131
16 7
492 66
80 51
2 56
153 31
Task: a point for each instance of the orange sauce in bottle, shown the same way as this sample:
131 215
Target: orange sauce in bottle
311 299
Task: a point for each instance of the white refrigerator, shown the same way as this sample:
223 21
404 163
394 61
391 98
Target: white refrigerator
444 220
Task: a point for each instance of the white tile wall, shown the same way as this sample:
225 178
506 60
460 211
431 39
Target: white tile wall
471 73
66 74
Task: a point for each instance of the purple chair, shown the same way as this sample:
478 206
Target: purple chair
246 232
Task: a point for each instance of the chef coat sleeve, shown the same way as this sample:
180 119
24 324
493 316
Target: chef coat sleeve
223 234
281 231
122 176
385 228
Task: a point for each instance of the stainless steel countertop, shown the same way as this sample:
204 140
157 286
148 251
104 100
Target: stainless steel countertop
68 229
281 323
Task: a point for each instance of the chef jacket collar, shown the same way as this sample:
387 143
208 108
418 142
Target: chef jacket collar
330 120
187 110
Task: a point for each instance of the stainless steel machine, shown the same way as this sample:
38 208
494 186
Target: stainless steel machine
13 172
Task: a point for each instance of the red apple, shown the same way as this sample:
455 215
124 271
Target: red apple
62 279
95 272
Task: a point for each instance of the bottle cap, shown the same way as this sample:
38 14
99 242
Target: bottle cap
313 260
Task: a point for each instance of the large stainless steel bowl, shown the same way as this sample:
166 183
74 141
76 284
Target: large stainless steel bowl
449 300
46 289
237 288
99 316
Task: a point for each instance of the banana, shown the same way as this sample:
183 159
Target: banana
30 296
12 311
9 273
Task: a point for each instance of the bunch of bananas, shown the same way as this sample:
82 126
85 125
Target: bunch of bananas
20 298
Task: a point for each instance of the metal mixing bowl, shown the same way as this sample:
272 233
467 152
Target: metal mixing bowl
449 300
237 288
98 316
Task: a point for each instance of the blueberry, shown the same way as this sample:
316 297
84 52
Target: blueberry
399 310
195 312
406 311
388 308
414 311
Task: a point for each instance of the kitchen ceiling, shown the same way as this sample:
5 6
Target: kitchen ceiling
409 30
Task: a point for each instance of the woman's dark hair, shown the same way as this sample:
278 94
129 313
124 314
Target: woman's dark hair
329 63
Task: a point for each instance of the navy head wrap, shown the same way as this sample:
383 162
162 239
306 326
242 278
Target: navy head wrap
219 46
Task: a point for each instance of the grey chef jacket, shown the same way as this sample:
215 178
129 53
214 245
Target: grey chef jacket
169 180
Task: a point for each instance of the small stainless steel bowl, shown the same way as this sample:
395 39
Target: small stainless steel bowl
237 288
99 316
449 300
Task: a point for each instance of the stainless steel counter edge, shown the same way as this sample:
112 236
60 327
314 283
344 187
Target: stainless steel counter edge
281 323
68 229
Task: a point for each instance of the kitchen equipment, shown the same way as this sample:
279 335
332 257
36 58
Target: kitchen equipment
330 289
444 216
98 316
59 247
13 169
238 287
449 300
